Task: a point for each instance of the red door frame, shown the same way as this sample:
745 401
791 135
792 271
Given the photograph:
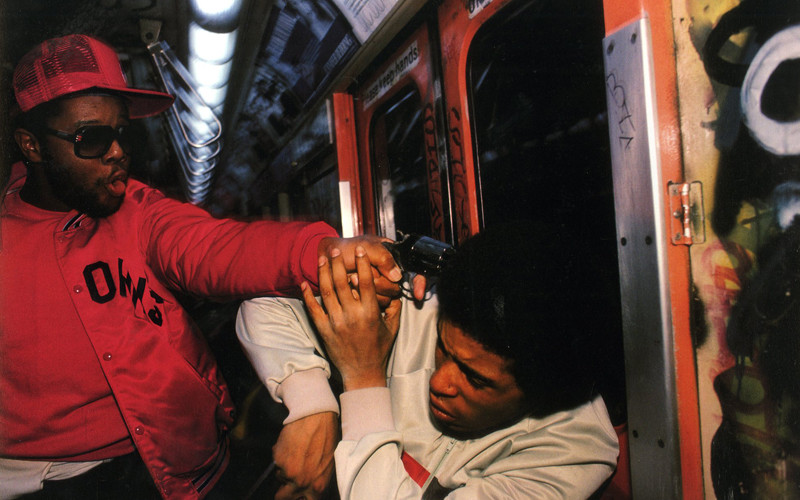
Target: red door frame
458 23
374 92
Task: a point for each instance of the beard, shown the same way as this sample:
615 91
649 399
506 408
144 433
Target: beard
74 194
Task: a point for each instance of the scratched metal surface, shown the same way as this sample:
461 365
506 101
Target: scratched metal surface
641 242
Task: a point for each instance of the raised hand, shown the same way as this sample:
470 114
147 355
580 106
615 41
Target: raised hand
385 271
358 337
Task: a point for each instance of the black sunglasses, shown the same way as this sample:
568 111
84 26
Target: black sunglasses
93 141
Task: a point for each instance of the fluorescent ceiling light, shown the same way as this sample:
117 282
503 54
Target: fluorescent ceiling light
210 74
213 8
210 46
213 97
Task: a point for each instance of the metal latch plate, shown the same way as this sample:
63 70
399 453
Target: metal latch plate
687 224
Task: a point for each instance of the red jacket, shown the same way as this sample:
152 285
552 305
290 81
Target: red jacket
97 355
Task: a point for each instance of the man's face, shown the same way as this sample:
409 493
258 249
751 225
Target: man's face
472 391
93 186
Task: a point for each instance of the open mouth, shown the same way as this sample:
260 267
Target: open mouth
117 184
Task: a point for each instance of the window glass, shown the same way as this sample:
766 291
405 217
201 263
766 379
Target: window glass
398 165
537 104
538 108
314 192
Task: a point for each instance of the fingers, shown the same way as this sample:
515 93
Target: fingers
303 456
385 287
366 285
345 293
287 491
341 282
385 290
391 316
382 259
419 284
345 285
379 255
327 286
315 310
393 309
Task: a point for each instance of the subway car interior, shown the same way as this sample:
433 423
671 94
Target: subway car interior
621 123
254 132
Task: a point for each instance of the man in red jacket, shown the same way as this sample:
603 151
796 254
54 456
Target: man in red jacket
103 375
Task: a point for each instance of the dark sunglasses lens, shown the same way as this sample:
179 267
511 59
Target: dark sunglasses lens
125 138
94 142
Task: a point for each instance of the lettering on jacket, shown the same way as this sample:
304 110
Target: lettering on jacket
102 289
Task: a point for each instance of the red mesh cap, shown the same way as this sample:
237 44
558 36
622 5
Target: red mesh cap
72 63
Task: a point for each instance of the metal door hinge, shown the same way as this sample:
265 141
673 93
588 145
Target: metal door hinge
688 219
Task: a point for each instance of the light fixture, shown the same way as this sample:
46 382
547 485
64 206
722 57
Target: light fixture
195 130
217 15
211 46
211 74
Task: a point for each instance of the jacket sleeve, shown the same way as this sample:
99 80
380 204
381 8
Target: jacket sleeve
280 343
222 258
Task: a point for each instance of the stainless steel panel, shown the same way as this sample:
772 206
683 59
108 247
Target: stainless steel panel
642 244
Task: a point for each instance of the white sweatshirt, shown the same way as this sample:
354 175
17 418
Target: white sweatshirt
388 435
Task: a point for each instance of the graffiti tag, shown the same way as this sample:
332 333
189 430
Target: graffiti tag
460 190
625 125
434 179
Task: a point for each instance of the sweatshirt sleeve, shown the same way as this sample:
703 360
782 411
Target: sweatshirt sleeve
369 457
280 343
567 455
223 258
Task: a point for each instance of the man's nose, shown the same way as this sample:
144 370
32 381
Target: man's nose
442 380
115 151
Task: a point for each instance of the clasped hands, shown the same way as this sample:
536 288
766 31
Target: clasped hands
357 279
358 336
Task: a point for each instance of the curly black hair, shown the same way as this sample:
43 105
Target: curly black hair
520 290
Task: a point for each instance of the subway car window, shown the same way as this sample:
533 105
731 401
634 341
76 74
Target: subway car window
537 98
314 193
398 159
538 105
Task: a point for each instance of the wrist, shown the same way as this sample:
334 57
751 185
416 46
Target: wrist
363 381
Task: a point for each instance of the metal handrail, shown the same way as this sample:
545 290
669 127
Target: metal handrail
185 95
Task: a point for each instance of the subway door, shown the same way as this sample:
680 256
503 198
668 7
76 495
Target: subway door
528 139
400 149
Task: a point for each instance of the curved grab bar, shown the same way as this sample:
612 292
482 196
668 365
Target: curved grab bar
185 95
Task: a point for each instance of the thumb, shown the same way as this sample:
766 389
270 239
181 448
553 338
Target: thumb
391 316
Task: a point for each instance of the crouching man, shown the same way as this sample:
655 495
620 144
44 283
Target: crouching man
479 392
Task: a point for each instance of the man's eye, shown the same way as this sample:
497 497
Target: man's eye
476 382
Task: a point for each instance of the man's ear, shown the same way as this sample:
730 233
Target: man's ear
29 145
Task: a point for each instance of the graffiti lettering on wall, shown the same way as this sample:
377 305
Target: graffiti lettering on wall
625 124
751 276
460 189
728 264
434 176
